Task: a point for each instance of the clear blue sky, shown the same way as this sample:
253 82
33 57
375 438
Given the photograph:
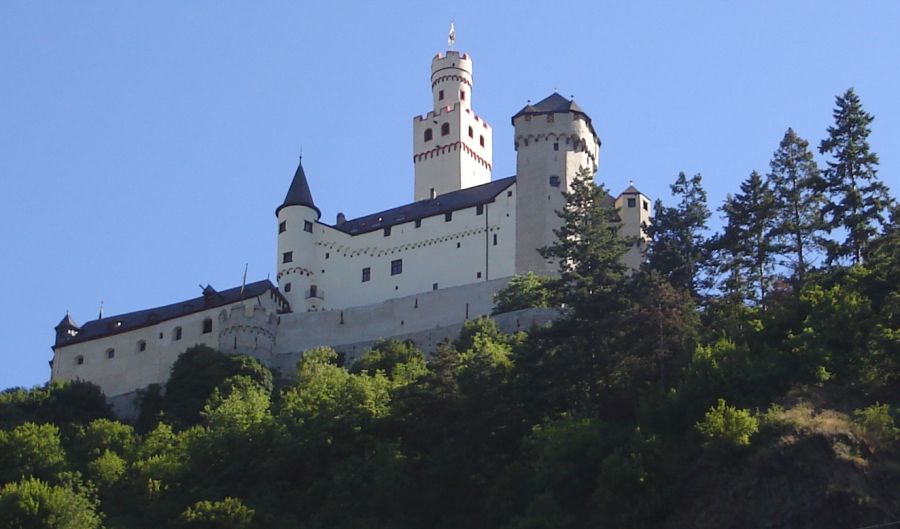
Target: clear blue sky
145 145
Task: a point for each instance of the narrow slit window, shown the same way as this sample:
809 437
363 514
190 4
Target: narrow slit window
481 140
471 132
479 209
282 226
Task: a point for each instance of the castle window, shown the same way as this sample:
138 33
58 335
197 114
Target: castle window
434 286
481 140
287 257
479 209
445 129
632 202
396 267
462 95
160 336
79 360
459 245
495 239
428 134
327 255
387 231
646 205
555 146
282 226
307 226
554 181
313 291
441 95
471 132
207 326
287 287
110 353
418 223
448 216
509 193
142 346
478 275
177 335
366 274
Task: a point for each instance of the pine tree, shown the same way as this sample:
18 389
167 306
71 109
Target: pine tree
747 236
678 247
858 199
588 246
794 179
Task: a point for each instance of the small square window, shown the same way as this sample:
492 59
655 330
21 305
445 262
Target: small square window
110 353
478 275
418 223
434 286
479 209
387 231
287 257
207 326
366 274
458 245
142 346
555 146
554 181
287 287
632 202
307 226
282 226
509 193
79 360
396 267
448 216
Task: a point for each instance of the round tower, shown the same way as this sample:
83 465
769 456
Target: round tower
248 328
451 80
554 140
296 262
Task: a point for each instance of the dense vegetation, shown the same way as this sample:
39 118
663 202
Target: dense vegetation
748 378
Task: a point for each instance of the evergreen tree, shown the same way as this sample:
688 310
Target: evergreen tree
678 247
588 247
794 178
747 237
858 199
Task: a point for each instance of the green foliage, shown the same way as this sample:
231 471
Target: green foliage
524 291
229 513
727 426
33 504
877 423
56 402
399 361
31 450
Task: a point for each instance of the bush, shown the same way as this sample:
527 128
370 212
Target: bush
523 292
727 426
877 424
34 503
230 513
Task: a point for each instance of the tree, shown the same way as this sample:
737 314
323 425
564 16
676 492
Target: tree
794 179
33 504
750 217
31 450
523 292
587 247
858 199
230 513
678 248
727 426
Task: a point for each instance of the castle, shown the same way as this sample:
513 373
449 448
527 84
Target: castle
416 271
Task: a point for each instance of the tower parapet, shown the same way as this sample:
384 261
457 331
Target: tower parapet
248 328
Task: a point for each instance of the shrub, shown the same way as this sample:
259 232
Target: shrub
727 426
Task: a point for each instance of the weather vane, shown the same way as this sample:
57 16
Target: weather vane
451 37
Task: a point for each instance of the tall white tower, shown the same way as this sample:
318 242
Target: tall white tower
296 261
452 147
554 139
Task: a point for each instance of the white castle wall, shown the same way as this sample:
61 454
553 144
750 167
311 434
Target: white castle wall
634 218
450 253
248 328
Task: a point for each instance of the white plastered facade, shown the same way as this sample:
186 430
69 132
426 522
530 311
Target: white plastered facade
345 288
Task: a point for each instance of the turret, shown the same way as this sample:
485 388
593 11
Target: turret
452 147
554 139
248 329
296 260
66 330
635 211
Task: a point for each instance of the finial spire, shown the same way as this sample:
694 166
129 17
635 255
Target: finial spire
451 36
100 316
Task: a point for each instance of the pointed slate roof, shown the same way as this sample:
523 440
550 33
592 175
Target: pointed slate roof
631 190
554 104
299 193
67 322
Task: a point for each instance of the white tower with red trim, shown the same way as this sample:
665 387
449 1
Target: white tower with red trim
452 147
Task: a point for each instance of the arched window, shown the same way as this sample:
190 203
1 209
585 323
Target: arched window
207 326
481 141
471 132
445 129
177 334
79 360
110 353
428 134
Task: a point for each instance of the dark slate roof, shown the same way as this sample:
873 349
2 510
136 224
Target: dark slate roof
299 193
135 320
630 191
554 104
67 322
455 200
